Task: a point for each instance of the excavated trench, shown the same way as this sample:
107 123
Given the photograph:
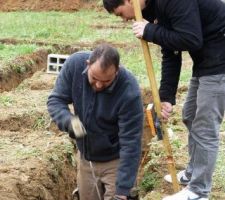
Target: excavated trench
37 161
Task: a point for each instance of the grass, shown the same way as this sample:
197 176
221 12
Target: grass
218 178
9 52
5 100
61 27
149 182
69 28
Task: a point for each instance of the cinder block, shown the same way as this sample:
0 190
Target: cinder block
55 63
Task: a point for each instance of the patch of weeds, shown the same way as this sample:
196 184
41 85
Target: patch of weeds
40 122
2 46
178 128
9 52
6 101
53 157
149 182
68 149
63 152
45 33
176 143
222 128
20 69
25 152
155 155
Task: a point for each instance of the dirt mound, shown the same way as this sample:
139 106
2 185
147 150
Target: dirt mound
39 5
22 68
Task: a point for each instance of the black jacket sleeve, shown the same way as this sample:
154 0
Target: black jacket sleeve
179 26
171 67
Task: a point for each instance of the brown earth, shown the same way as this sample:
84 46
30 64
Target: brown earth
39 5
22 68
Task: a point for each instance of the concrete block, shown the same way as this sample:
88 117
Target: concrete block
55 63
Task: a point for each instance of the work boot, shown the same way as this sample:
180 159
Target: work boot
185 194
181 177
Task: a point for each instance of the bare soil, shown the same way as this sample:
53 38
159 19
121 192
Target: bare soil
11 77
39 5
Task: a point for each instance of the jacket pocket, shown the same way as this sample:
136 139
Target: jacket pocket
100 147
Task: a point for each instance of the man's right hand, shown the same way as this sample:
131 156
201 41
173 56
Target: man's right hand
78 128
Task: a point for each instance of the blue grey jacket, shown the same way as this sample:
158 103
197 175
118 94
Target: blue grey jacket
196 26
113 118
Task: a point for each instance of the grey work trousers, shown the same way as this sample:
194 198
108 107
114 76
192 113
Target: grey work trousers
203 114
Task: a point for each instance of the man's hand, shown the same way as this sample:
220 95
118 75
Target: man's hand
78 128
138 28
166 110
120 197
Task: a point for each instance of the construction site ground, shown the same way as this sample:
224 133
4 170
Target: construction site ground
37 161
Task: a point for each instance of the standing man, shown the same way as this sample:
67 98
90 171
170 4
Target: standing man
196 26
107 121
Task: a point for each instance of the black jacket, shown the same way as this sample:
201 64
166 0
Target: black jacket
113 118
196 26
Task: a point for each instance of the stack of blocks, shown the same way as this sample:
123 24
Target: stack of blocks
55 63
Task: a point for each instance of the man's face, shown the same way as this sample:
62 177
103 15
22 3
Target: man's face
125 11
100 79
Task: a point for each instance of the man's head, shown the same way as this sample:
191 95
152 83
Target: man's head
122 8
103 66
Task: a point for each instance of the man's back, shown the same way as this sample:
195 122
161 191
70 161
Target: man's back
212 14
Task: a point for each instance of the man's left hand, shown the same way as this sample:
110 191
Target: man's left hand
138 28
